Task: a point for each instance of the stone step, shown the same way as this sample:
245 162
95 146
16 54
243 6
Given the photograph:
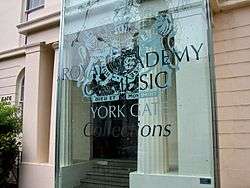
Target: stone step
108 174
112 169
92 183
117 163
98 186
108 177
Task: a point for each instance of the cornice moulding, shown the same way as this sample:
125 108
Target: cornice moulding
13 53
22 51
39 24
35 47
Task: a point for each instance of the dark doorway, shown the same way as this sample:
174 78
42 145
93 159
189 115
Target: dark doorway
115 136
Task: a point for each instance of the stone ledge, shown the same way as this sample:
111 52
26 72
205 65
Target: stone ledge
39 24
13 53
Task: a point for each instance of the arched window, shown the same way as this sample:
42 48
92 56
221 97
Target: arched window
20 91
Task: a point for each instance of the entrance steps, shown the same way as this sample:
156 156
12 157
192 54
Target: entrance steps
108 174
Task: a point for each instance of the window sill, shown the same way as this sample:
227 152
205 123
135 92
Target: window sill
38 24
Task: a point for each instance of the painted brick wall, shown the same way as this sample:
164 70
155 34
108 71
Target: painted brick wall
232 66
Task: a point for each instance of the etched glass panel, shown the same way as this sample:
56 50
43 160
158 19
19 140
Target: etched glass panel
134 95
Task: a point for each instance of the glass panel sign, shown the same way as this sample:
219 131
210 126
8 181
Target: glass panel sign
134 106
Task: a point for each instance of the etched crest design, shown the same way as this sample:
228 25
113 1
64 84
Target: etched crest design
116 60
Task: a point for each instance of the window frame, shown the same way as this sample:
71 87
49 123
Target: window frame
31 9
20 87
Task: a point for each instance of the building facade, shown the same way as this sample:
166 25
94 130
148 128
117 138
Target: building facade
30 77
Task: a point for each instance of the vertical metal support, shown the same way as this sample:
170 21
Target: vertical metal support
213 96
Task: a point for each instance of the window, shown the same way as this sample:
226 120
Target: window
20 91
32 4
21 94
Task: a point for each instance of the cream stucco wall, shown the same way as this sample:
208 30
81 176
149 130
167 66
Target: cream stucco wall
35 52
49 36
9 71
10 15
232 66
